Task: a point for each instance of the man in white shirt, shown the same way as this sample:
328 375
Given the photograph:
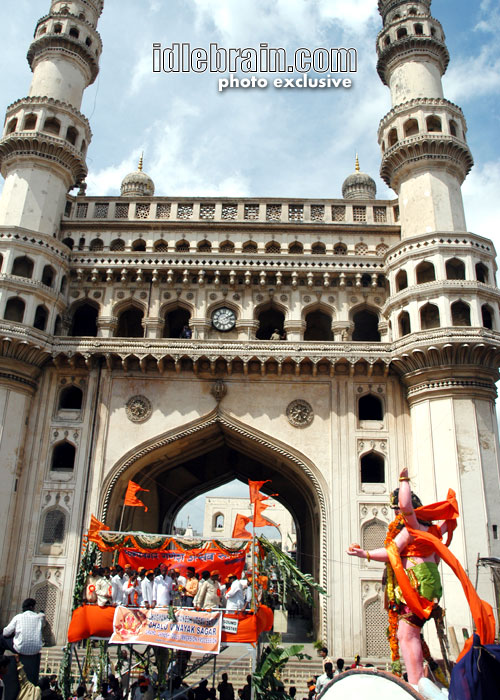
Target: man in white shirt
234 595
162 589
117 586
23 635
325 678
147 587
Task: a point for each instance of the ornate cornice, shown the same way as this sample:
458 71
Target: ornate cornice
432 149
412 106
409 47
451 288
65 44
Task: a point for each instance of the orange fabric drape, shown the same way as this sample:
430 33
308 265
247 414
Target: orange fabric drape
94 528
259 520
255 487
481 611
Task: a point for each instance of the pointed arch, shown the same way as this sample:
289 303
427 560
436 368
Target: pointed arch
84 319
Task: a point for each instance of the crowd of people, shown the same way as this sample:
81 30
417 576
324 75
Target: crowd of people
163 586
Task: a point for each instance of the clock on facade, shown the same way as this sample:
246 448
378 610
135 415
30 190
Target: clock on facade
223 319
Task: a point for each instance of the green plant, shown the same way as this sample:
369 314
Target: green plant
266 678
318 644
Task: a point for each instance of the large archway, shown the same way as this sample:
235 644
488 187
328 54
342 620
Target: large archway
212 451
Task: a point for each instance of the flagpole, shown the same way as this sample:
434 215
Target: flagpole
253 562
117 552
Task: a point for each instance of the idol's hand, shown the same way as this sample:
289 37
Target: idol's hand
356 551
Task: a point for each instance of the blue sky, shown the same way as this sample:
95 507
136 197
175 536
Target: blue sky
297 143
281 143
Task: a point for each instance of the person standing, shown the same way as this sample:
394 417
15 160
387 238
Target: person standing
234 595
23 635
225 689
162 589
147 588
209 593
190 588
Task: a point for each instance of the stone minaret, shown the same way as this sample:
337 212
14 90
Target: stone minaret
42 156
425 157
443 303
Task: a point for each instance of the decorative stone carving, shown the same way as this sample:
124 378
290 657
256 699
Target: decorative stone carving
138 409
300 413
219 390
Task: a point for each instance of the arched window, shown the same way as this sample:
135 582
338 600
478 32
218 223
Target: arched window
30 121
482 273
205 246
273 248
429 317
74 33
318 326
88 41
425 273
393 137
401 280
410 127
117 245
12 126
41 316
52 126
296 248
269 320
318 249
182 246
48 276
249 247
366 280
14 310
57 28
85 321
71 397
47 598
54 527
226 247
387 40
404 323
372 469
69 242
419 29
453 128
130 323
96 244
63 457
71 135
487 316
434 123
455 269
402 32
64 284
218 522
340 249
83 147
370 408
23 267
175 321
460 314
365 327
139 246
160 246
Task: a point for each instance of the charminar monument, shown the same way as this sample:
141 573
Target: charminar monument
387 314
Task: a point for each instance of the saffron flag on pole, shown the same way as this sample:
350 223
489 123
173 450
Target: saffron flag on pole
258 519
239 529
131 498
94 528
255 487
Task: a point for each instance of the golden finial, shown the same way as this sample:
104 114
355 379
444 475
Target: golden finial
139 167
356 167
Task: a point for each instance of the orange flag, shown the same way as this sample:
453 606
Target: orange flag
255 487
94 529
239 529
130 497
258 518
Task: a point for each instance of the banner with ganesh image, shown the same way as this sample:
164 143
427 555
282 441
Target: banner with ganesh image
185 629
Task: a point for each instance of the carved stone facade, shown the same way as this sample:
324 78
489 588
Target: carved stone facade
359 337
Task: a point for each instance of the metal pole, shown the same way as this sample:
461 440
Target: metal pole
130 649
254 668
477 570
215 670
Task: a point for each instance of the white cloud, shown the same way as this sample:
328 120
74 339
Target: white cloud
469 78
482 204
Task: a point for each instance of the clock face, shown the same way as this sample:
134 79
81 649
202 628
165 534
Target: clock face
223 319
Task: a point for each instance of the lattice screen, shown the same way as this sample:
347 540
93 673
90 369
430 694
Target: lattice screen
54 527
46 597
374 534
376 627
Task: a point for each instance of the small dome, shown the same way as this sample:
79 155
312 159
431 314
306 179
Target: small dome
359 185
137 184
